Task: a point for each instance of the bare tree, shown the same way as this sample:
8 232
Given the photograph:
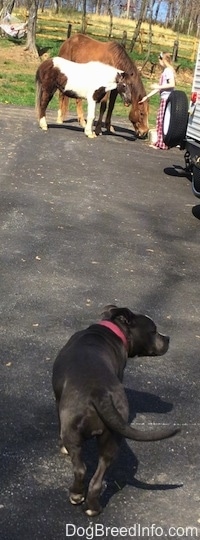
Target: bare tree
141 17
6 6
157 8
110 13
57 4
150 33
84 17
31 28
98 7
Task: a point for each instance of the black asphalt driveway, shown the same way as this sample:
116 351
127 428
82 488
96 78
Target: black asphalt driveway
85 223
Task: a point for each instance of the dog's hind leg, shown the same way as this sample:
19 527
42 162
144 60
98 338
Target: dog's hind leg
63 450
74 447
77 491
108 447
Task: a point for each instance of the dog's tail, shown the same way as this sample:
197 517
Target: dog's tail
115 422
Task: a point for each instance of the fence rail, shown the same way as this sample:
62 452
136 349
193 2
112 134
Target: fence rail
56 28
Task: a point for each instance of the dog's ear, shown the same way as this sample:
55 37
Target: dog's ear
112 312
108 310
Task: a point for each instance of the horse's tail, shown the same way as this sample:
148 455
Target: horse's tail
37 92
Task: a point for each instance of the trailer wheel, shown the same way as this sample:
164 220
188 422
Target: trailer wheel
175 118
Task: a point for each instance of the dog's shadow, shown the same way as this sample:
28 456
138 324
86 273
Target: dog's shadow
124 468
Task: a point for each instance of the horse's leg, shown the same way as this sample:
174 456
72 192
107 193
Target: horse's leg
44 100
80 114
113 96
63 108
101 113
90 117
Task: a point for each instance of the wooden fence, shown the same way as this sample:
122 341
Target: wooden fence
162 39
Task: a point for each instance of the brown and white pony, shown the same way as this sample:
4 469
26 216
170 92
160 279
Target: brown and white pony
90 81
81 48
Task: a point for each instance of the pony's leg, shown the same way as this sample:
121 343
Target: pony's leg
90 117
63 108
44 101
101 113
80 114
113 96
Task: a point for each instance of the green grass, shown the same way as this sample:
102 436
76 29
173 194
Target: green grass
17 89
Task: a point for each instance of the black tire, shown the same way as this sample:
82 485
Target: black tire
175 118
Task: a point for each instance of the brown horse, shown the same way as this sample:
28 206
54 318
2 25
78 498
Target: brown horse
80 48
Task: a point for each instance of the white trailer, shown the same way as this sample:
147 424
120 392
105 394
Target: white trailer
181 125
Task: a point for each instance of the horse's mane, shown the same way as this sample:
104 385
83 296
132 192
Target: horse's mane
123 61
122 57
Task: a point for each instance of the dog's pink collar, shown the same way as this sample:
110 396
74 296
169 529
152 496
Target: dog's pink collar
114 328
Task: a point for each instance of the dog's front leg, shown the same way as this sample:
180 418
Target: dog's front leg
91 104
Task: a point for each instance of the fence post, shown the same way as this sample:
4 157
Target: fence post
124 39
69 30
175 50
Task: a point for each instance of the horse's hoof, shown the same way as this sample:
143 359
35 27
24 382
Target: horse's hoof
59 121
43 124
91 135
98 130
110 129
82 122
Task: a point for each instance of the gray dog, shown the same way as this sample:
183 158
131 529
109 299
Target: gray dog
90 397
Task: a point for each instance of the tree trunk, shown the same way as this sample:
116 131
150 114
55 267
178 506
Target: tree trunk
31 28
157 10
7 7
150 36
98 7
84 18
111 19
141 17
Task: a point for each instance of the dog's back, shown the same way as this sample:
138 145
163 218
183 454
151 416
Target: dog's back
86 361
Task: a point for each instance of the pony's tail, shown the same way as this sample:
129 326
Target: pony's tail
37 93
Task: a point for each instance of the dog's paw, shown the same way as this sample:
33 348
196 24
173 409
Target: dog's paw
76 498
93 510
63 450
92 513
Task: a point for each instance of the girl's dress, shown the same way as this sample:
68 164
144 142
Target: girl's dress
166 76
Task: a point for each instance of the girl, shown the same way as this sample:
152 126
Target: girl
165 86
